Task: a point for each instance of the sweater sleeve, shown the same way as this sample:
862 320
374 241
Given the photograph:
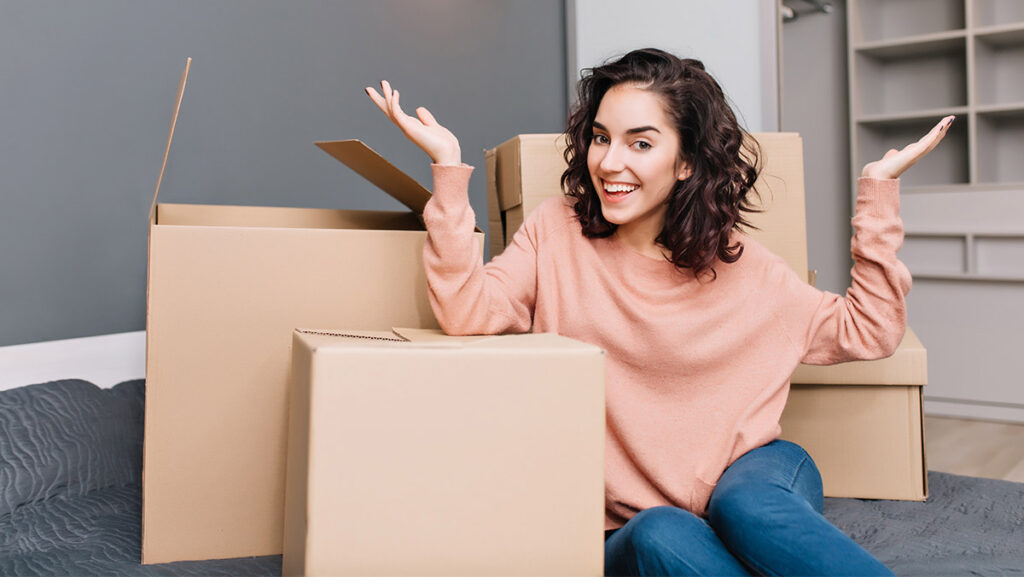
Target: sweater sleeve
468 297
869 322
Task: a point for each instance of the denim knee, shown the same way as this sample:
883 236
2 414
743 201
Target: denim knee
756 505
652 528
667 540
780 467
654 534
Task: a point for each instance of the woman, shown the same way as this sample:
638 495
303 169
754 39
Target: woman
702 325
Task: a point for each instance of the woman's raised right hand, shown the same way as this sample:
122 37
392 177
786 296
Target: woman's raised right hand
437 141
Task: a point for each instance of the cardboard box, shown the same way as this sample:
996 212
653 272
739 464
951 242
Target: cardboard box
227 285
521 173
416 453
862 422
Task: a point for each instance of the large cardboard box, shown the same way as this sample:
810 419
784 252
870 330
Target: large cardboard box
862 422
227 285
416 453
521 173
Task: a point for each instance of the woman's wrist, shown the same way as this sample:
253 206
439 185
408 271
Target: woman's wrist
449 157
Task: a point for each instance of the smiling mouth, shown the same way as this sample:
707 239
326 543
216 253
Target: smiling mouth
618 191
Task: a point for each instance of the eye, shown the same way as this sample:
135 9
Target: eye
642 145
600 139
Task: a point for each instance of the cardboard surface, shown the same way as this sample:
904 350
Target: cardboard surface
405 460
861 421
867 440
226 287
526 171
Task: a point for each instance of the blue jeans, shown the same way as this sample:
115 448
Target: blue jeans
764 518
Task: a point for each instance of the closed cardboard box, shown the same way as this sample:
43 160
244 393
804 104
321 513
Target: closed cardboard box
415 453
227 285
862 422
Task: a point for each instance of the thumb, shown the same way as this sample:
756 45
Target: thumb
892 152
426 116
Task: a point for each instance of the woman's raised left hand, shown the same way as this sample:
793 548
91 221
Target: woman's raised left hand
895 162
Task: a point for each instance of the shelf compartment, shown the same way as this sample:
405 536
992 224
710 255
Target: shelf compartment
889 19
999 66
958 111
894 79
989 12
936 254
1000 146
999 256
945 42
946 164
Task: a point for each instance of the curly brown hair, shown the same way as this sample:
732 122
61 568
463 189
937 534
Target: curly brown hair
703 209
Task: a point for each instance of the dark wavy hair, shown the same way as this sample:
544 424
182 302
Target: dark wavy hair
724 159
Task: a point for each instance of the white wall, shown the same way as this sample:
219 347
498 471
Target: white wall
103 361
736 40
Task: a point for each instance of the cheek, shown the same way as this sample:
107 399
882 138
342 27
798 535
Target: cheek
593 160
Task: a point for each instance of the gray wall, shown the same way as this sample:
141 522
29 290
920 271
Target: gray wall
815 104
86 90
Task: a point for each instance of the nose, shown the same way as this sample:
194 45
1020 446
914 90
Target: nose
612 160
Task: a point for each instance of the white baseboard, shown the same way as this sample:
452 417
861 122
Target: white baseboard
974 410
104 360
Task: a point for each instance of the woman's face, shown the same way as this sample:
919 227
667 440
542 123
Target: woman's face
634 158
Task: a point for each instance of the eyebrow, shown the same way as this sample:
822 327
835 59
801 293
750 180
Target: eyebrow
636 130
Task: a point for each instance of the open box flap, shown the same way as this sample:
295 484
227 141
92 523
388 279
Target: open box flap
366 162
170 137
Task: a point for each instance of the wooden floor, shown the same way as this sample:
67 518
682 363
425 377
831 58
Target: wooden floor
975 448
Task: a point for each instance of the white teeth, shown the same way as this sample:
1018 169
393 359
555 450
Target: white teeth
620 187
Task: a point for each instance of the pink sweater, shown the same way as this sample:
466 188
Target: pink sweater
697 372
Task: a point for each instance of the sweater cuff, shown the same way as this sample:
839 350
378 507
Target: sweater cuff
451 182
878 197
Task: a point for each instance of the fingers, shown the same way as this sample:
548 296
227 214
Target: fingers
426 117
395 106
938 132
378 100
404 121
930 140
388 102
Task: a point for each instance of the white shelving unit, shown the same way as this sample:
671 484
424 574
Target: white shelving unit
912 62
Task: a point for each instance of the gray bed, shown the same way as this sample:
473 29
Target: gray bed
70 499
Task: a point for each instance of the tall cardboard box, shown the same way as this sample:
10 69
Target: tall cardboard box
861 422
227 285
416 453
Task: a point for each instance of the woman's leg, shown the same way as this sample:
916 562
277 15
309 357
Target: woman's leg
767 507
668 541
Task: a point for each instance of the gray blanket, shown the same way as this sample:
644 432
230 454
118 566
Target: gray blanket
70 485
70 500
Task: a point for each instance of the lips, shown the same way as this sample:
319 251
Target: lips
618 191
